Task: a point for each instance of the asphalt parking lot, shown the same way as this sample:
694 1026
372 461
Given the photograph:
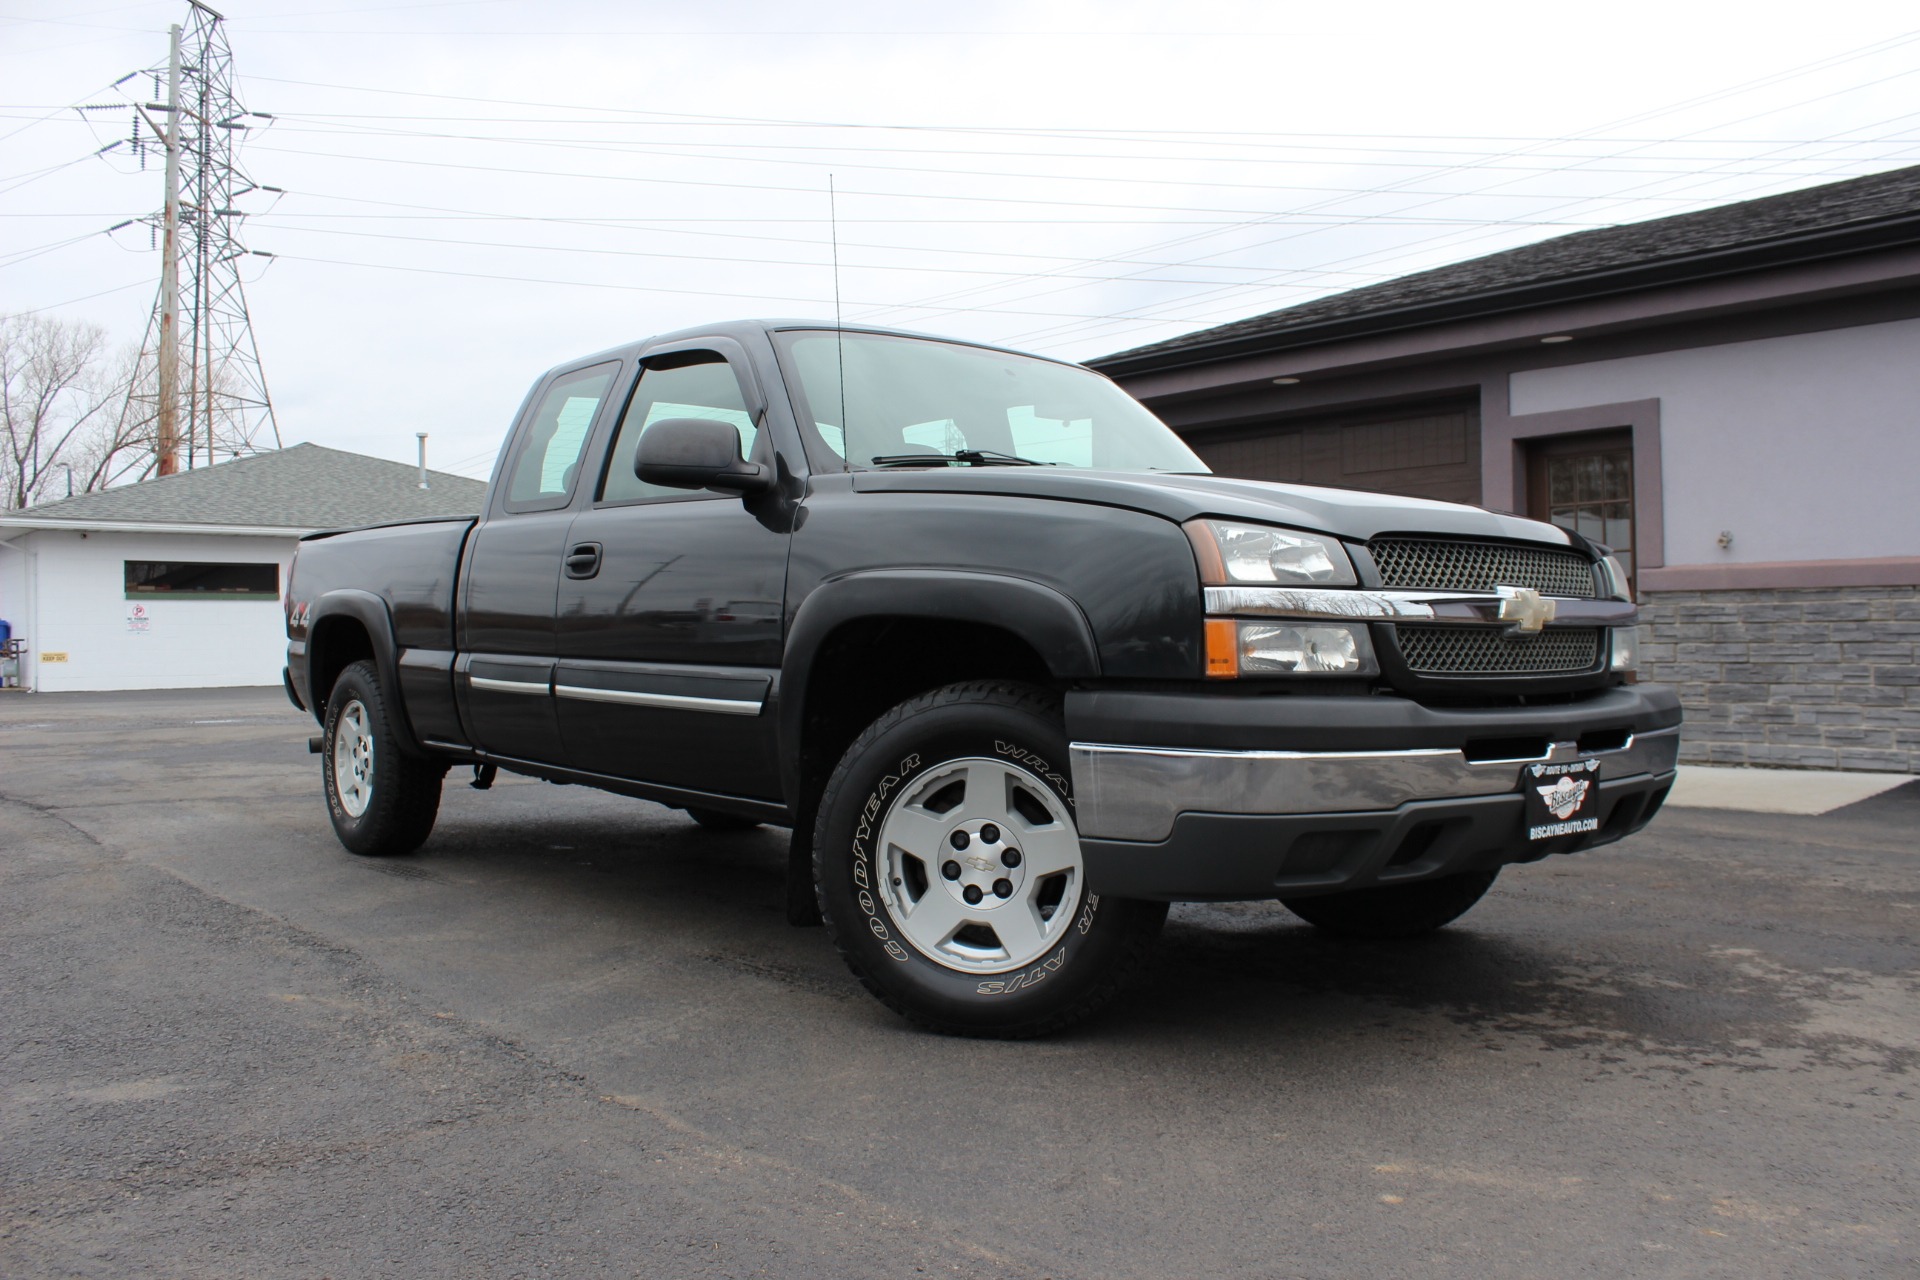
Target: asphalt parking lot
574 1037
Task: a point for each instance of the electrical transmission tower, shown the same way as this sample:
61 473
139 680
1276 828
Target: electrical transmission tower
198 391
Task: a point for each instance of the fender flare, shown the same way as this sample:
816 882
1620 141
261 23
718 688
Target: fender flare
371 612
1045 618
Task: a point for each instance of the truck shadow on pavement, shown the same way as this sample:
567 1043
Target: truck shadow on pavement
1510 974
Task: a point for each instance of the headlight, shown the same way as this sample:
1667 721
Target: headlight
1613 579
1238 648
1232 554
1626 649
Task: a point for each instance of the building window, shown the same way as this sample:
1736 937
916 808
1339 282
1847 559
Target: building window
1585 483
202 580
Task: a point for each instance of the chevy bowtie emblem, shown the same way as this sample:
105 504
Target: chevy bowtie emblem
1526 609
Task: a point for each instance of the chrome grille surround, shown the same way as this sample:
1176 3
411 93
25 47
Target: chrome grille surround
1484 651
1481 566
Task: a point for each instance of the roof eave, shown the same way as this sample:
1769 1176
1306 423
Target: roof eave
1782 251
30 524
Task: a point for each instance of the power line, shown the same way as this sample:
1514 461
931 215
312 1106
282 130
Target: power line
1841 58
880 195
652 150
1655 113
1094 135
438 213
690 257
807 299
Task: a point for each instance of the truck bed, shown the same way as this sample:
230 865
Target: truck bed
411 565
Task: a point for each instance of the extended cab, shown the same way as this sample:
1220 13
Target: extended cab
1015 669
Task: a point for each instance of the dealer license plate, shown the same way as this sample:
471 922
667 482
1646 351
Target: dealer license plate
1561 798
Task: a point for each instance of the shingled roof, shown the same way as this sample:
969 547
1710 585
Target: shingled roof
1857 214
303 487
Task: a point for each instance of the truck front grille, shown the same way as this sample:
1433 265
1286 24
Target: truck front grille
1484 651
1480 566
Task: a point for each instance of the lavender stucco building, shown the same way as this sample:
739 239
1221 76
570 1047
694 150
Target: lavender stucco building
1731 398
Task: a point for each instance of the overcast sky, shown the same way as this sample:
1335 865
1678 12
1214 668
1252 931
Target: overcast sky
476 190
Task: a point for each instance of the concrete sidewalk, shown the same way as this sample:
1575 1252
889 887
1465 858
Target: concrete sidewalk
1802 791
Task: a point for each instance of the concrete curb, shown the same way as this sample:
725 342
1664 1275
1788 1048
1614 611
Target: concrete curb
1801 791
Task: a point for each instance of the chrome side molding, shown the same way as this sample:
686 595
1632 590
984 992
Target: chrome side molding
539 690
667 701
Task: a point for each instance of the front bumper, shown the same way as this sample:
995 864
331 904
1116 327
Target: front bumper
1303 795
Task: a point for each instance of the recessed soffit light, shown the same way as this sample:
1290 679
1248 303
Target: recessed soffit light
1285 382
1558 337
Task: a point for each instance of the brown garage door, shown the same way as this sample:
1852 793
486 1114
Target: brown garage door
1433 454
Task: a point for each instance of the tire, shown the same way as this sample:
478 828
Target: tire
714 820
382 800
1010 944
1394 911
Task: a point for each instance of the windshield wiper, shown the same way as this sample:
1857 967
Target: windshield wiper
972 457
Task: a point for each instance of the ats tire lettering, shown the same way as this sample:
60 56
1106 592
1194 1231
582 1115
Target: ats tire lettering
1031 978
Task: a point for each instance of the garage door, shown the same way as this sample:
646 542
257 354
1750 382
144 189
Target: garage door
1433 454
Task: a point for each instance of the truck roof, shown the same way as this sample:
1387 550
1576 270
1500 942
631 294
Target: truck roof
742 329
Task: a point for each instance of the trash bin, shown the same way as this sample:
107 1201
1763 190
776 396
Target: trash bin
6 631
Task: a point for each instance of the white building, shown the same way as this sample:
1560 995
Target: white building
178 582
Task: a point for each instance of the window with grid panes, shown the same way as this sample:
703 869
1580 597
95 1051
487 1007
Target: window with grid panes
1585 483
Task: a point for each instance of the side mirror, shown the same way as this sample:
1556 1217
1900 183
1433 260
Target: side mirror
697 453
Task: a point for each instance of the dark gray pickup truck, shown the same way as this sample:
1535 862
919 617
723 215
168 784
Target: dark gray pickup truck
1015 669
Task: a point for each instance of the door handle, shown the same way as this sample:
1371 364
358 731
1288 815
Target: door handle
583 561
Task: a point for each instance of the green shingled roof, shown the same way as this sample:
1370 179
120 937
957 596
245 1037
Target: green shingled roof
302 487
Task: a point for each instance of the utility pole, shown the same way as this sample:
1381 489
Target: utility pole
199 382
167 374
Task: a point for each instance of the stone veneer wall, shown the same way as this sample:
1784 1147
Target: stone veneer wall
1826 679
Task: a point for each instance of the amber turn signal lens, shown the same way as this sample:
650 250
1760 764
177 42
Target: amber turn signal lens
1223 649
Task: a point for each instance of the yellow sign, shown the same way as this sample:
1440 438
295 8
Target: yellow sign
54 655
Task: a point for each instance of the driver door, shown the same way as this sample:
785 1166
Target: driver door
670 608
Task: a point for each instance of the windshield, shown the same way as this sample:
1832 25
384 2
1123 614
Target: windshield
914 402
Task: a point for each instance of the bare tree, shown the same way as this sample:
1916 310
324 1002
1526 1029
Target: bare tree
62 397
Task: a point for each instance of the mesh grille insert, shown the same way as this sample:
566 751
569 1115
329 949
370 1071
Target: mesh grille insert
1478 651
1480 566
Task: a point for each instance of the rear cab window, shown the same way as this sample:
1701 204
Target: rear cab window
547 464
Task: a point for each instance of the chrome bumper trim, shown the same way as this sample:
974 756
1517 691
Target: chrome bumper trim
666 701
510 686
1479 608
1135 793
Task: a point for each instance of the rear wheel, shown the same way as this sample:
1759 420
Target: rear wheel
1395 911
382 800
949 870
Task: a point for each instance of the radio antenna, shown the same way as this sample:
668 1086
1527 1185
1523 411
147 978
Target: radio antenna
839 334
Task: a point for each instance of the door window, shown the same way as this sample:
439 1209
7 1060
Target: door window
549 461
702 387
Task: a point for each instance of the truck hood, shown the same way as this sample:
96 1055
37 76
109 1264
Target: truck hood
1346 513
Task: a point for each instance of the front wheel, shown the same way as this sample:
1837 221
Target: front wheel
382 801
1394 911
948 867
